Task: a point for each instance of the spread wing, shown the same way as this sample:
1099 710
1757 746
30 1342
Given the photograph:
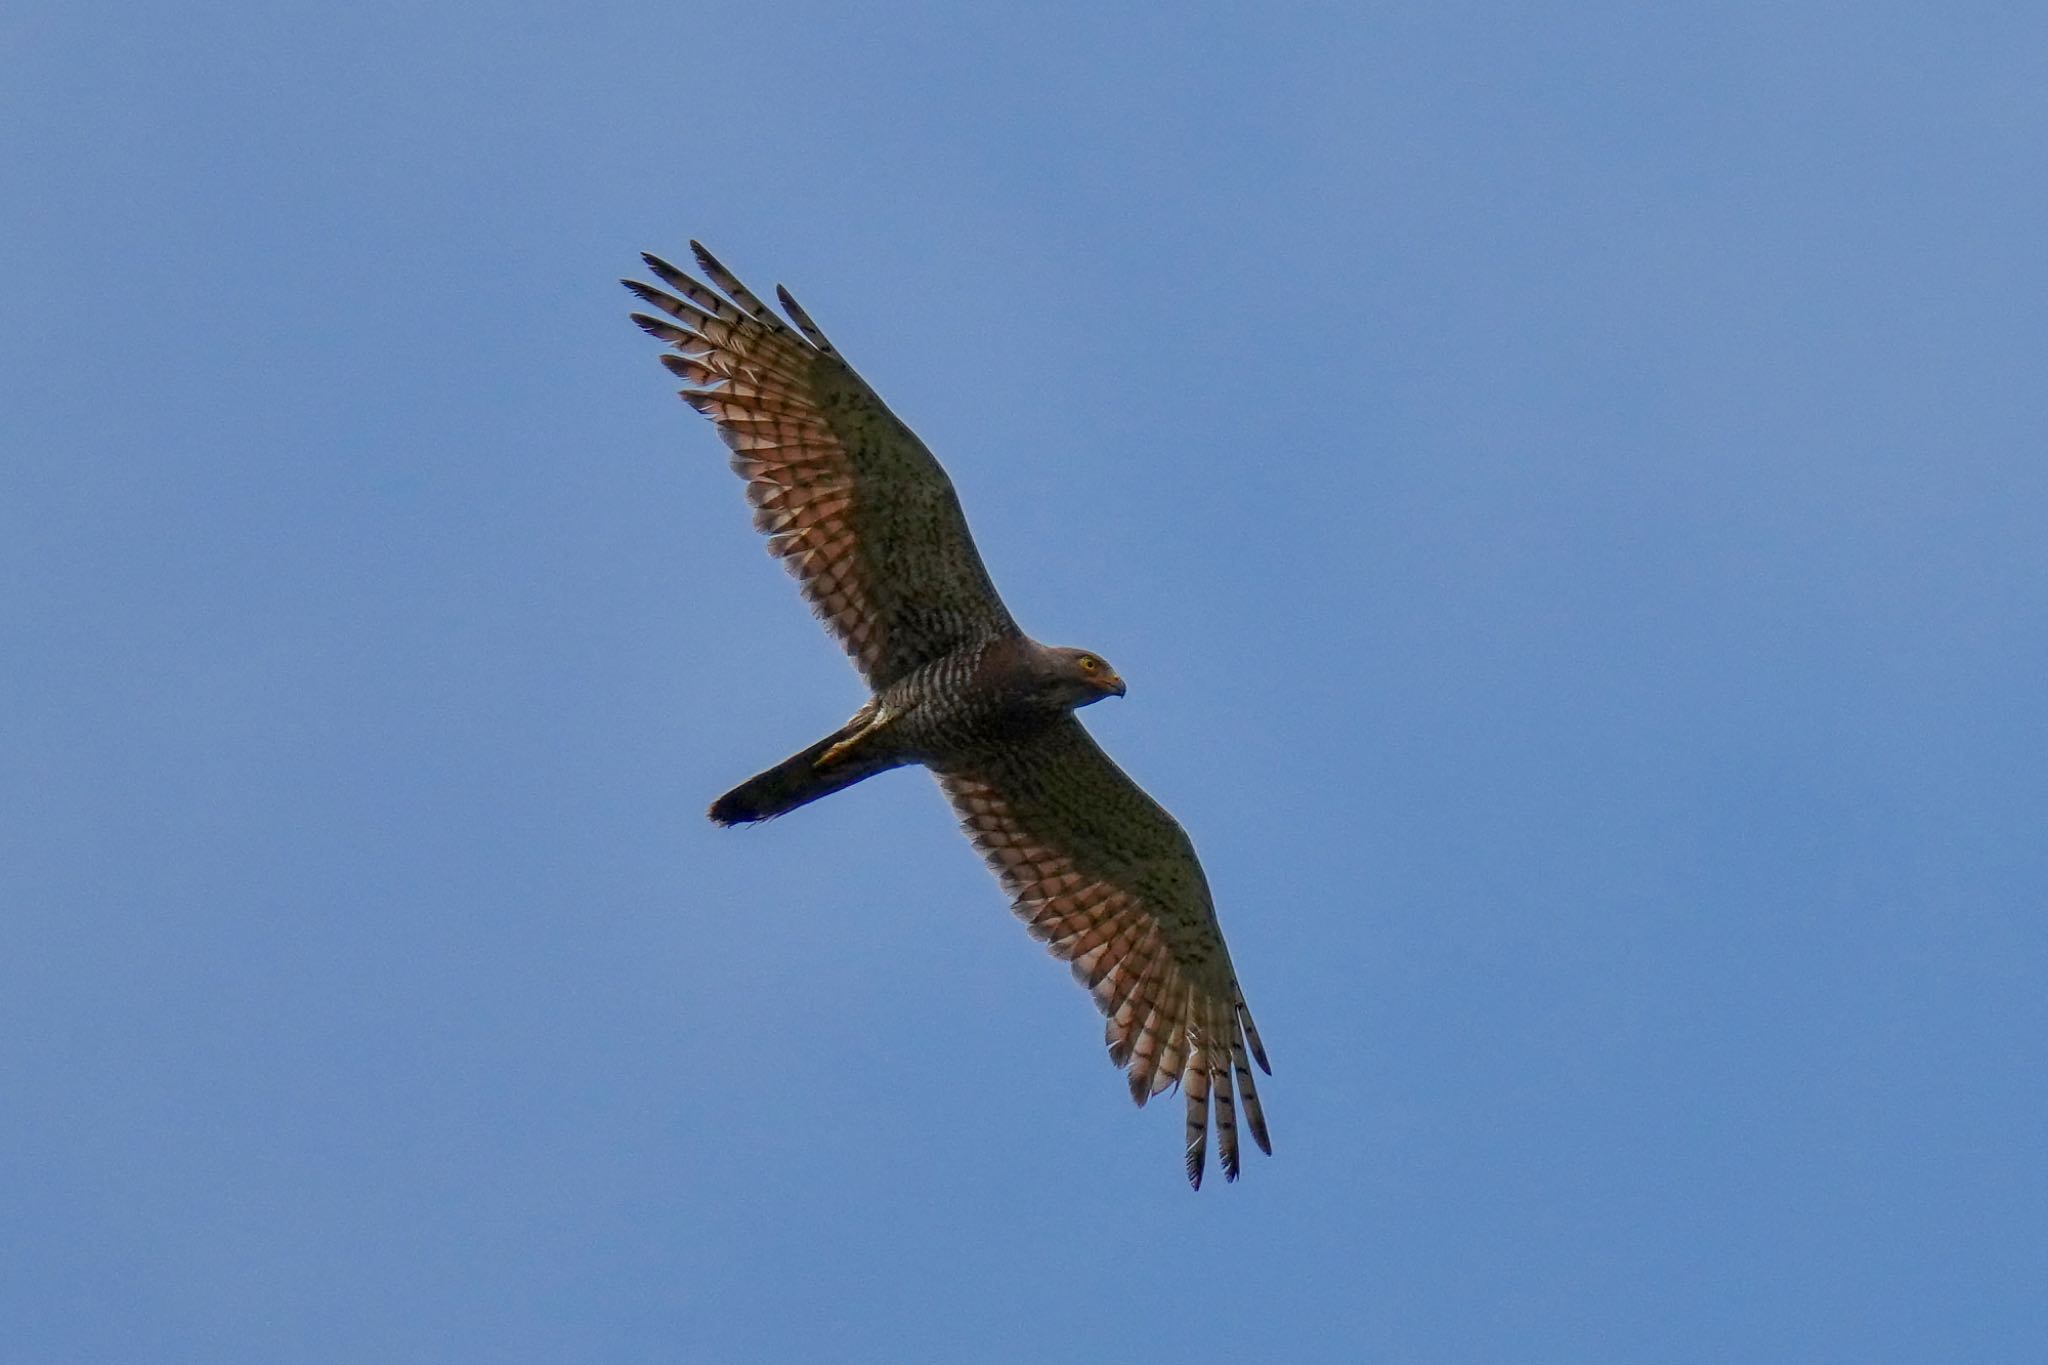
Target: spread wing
1109 880
850 499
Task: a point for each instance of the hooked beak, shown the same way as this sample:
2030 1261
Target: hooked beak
1113 685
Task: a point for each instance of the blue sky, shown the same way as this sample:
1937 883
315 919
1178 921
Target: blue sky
1565 486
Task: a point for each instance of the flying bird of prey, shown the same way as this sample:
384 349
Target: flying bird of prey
861 513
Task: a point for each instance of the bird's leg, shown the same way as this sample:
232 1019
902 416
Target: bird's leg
870 719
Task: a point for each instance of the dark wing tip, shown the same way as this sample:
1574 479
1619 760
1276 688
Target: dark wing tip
1251 1036
663 271
705 260
812 332
647 293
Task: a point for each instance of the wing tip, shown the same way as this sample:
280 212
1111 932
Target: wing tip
715 268
1251 1035
654 327
812 332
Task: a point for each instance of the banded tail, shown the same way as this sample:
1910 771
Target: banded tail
840 759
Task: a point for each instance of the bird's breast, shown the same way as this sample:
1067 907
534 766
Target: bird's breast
969 699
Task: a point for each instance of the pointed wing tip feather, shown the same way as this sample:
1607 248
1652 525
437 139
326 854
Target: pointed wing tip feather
705 260
648 294
1226 1132
1251 1036
812 332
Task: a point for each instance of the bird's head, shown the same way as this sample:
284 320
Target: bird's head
1079 676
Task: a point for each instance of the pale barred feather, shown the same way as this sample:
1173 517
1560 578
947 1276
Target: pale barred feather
1140 978
1247 1092
736 291
803 321
705 298
1220 1037
1195 1090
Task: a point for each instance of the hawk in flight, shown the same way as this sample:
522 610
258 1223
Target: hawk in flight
861 513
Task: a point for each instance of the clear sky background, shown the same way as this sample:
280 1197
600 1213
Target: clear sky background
1566 485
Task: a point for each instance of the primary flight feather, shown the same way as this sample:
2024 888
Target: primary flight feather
862 514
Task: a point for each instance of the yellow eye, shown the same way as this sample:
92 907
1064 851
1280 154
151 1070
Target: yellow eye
1089 663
